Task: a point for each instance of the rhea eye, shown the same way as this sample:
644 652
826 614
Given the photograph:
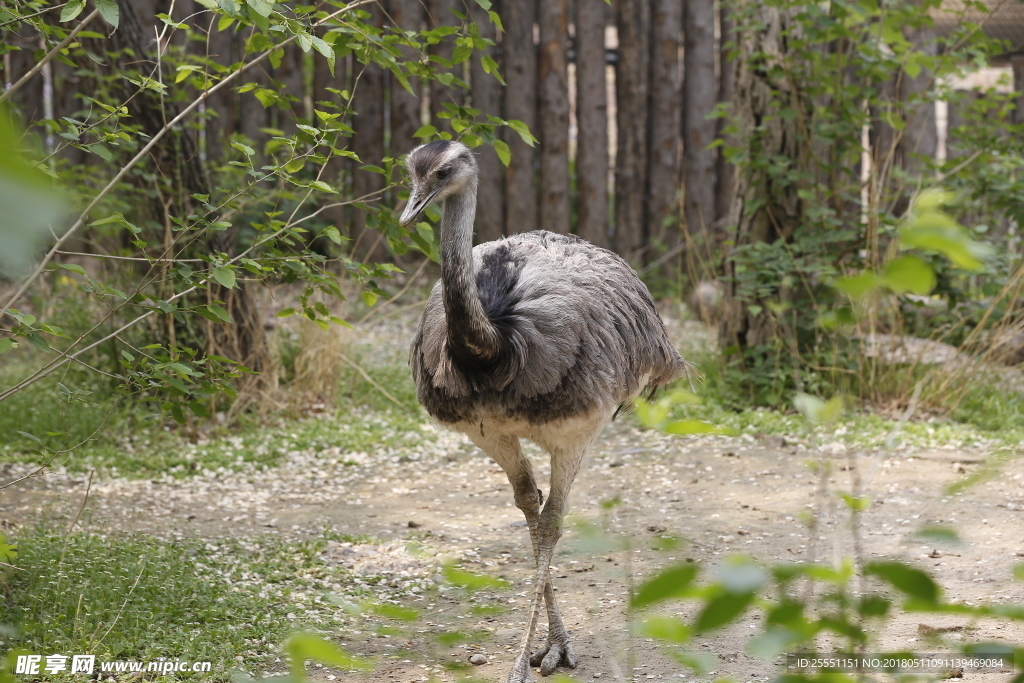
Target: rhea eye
444 172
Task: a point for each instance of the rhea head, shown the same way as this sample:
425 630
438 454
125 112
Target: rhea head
438 170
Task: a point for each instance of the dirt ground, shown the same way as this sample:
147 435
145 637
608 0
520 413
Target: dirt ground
726 495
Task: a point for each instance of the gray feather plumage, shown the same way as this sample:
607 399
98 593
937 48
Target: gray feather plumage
575 328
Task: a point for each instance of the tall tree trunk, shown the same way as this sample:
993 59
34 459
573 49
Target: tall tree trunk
406 107
666 118
633 18
490 213
592 123
698 129
554 117
521 104
441 15
222 110
921 135
368 144
291 75
725 173
180 165
1017 64
765 208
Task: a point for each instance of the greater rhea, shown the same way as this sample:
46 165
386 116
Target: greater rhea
535 336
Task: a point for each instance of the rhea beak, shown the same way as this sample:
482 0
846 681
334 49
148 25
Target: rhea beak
418 201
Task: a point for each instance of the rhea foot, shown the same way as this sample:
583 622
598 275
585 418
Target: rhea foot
558 652
520 672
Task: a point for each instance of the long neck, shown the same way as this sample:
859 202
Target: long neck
469 330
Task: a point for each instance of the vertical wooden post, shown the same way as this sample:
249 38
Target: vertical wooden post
368 144
666 105
633 18
441 15
724 171
1017 64
592 123
698 129
521 104
406 107
486 92
554 116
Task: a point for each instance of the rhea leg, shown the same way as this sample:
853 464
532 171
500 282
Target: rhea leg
506 451
566 459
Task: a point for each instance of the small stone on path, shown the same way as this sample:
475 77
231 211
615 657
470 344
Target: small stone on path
477 659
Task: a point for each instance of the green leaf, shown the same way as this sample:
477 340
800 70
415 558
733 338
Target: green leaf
31 436
909 580
665 628
909 274
486 4
471 581
177 413
722 610
504 153
819 412
286 312
109 11
225 276
693 427
116 218
933 532
331 233
73 267
860 284
6 345
425 132
369 298
671 583
523 130
855 503
1018 571
244 149
72 10
496 20
324 48
219 312
261 7
322 186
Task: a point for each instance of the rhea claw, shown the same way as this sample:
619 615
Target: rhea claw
553 655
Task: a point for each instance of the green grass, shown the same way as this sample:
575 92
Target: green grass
134 597
146 444
989 416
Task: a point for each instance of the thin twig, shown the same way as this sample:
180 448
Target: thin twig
49 55
396 296
144 152
67 534
123 605
30 16
375 385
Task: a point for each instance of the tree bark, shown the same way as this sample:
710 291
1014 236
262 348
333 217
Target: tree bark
291 76
633 19
554 117
441 15
1017 64
592 123
406 107
776 207
921 135
490 214
725 173
368 144
698 129
521 104
666 118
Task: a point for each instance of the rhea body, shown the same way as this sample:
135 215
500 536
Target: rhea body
538 336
